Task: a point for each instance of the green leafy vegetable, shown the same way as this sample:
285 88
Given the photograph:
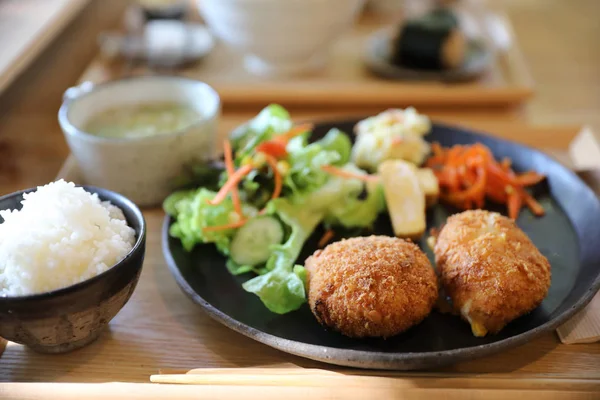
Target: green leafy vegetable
192 214
271 120
357 213
236 269
282 288
305 174
339 198
338 141
176 201
335 191
300 271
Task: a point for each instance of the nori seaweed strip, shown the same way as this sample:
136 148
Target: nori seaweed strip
420 47
421 43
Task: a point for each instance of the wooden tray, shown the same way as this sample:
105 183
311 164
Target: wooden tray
346 81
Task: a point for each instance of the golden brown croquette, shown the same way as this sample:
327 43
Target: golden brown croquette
375 286
490 269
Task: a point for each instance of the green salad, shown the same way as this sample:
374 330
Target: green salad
275 188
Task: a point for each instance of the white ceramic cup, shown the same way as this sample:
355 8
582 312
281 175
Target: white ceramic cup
143 169
280 37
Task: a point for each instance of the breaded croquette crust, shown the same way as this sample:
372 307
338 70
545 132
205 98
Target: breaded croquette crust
490 269
375 286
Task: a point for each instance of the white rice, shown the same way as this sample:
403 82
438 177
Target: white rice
62 235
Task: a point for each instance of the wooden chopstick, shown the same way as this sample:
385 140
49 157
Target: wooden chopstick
300 377
250 371
172 371
292 368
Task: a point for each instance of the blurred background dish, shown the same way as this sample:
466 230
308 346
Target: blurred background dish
161 43
163 9
144 157
434 41
430 46
158 47
280 37
399 9
379 55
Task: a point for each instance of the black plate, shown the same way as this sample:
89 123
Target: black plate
568 235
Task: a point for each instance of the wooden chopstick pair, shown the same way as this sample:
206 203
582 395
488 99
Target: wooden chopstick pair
300 384
360 379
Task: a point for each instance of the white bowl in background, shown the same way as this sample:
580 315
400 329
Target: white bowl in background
143 169
280 37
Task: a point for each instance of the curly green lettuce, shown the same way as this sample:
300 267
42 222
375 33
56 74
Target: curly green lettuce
306 160
282 288
272 120
192 214
354 212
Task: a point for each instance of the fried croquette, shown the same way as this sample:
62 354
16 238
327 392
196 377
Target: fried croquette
490 269
375 286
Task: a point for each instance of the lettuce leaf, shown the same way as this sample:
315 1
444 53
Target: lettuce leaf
340 200
236 269
271 120
334 191
305 174
354 212
192 213
338 141
282 289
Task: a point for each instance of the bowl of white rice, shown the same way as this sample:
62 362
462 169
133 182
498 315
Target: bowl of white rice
70 258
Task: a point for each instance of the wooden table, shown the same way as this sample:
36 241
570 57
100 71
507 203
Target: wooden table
559 42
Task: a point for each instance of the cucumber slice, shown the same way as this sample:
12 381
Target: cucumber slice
252 243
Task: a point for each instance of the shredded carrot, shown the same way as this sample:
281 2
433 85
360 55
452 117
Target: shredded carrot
330 169
535 207
437 150
292 133
326 238
515 201
469 174
278 180
232 182
529 178
235 195
232 225
474 191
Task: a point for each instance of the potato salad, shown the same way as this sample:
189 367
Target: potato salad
393 134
